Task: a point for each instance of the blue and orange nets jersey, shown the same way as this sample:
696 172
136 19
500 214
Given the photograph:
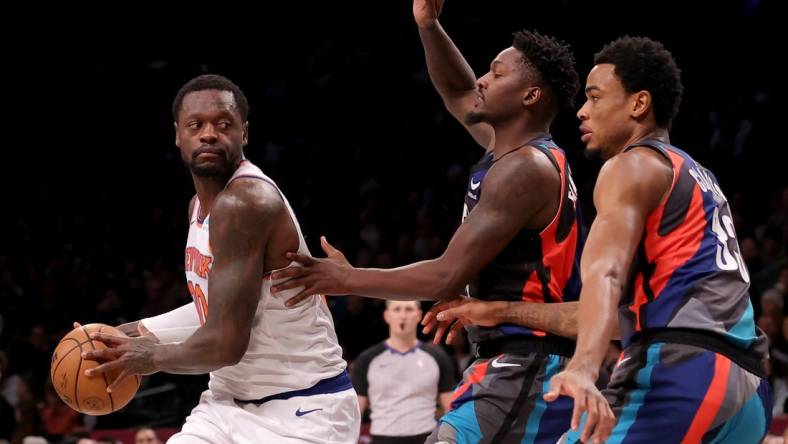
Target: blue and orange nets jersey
688 271
536 266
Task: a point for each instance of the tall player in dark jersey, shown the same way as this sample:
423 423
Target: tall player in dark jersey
662 251
518 240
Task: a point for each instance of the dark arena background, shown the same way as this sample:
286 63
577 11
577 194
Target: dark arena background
345 119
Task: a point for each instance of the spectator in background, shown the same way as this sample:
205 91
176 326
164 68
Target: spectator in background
146 435
401 379
28 419
779 365
59 419
7 420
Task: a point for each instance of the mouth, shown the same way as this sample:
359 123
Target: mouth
208 152
586 134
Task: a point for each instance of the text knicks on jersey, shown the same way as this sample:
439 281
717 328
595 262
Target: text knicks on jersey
198 263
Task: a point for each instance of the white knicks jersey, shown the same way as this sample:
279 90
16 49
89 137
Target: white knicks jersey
289 348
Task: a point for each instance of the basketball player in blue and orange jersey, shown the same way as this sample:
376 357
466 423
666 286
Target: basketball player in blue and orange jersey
663 252
518 241
277 374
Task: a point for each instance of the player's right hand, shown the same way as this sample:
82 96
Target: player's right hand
317 276
426 12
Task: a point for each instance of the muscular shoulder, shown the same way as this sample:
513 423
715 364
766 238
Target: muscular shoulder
248 201
640 174
524 171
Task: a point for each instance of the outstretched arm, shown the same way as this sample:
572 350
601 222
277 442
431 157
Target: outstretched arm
556 318
451 75
507 205
559 319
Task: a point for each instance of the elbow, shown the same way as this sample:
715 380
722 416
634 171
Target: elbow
448 285
231 348
608 275
614 279
230 355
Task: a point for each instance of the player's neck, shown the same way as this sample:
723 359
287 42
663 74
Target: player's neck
643 133
509 137
402 344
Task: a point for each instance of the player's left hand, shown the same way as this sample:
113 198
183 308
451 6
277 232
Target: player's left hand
317 276
431 322
466 311
133 355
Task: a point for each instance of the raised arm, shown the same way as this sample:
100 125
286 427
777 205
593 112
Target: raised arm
450 73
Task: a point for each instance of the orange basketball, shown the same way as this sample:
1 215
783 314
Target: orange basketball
88 394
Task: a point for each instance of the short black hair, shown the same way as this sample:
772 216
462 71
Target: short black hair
643 64
211 81
553 60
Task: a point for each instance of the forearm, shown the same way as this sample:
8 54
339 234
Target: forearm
597 320
448 70
559 318
426 280
174 326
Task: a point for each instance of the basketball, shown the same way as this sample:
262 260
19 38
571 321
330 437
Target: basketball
88 394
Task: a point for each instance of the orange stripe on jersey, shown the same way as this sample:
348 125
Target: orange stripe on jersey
711 402
532 291
674 249
559 259
683 242
556 257
476 376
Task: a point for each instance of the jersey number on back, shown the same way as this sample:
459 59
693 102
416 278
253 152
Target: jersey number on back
722 226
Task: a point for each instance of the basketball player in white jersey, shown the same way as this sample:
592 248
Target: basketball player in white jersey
277 374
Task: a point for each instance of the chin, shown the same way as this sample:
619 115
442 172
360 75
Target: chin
592 152
209 170
474 117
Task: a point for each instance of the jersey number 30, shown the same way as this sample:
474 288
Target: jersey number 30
199 301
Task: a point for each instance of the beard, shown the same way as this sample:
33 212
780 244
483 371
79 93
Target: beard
210 170
474 117
219 166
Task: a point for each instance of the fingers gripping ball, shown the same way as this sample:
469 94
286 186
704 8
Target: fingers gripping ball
88 394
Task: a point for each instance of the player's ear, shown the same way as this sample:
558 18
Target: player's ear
641 103
532 95
177 137
246 133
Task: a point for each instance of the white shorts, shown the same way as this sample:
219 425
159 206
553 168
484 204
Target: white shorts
331 418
